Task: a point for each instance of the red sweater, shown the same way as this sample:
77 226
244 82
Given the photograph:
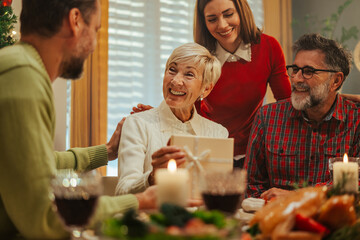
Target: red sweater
240 91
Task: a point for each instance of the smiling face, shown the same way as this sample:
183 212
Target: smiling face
182 85
313 92
223 22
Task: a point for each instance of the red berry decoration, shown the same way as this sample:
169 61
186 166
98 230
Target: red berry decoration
6 3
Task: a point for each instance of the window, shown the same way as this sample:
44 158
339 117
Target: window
142 34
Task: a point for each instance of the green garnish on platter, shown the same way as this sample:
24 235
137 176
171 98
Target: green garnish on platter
171 223
348 232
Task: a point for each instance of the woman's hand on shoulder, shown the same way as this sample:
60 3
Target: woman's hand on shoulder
352 97
140 108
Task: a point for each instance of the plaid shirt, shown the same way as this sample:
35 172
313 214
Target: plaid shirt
285 149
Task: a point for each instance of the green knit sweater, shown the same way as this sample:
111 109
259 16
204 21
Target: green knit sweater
27 157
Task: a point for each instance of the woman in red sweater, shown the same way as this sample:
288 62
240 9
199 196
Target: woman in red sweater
250 60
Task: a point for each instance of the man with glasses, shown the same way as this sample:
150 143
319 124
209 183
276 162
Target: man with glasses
291 140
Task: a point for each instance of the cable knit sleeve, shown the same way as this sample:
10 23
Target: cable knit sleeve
82 159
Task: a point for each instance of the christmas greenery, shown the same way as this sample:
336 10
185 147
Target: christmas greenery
7 21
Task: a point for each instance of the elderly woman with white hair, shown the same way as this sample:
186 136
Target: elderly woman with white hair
191 73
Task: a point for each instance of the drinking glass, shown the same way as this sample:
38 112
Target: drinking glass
75 197
223 190
341 159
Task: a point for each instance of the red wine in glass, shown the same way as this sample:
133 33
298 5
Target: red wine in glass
75 197
226 203
76 211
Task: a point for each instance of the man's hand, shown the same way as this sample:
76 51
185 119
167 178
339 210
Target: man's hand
274 193
195 202
147 199
112 146
140 108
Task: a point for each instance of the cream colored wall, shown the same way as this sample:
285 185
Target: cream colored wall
277 18
59 88
315 12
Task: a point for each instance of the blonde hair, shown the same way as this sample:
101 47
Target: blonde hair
249 32
201 57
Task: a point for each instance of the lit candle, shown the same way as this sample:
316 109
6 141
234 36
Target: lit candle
349 170
172 185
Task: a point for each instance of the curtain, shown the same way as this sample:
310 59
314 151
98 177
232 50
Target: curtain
88 124
277 23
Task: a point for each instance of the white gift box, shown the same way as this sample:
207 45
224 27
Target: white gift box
205 154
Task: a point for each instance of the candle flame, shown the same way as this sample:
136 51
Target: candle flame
172 166
346 159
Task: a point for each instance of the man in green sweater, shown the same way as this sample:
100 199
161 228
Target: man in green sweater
56 38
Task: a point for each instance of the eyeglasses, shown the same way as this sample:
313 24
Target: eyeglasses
307 72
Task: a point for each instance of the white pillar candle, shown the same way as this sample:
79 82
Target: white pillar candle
351 172
172 185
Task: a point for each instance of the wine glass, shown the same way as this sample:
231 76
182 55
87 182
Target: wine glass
223 190
75 197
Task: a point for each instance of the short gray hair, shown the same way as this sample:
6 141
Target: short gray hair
201 57
336 57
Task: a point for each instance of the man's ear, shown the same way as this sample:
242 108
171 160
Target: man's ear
338 80
75 21
207 90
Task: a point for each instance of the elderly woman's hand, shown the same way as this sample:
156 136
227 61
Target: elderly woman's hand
161 157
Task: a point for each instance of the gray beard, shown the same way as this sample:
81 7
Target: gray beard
317 96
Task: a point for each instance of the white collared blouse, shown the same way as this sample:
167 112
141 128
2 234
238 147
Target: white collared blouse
242 52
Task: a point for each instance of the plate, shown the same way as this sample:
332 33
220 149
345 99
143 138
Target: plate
90 235
243 216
